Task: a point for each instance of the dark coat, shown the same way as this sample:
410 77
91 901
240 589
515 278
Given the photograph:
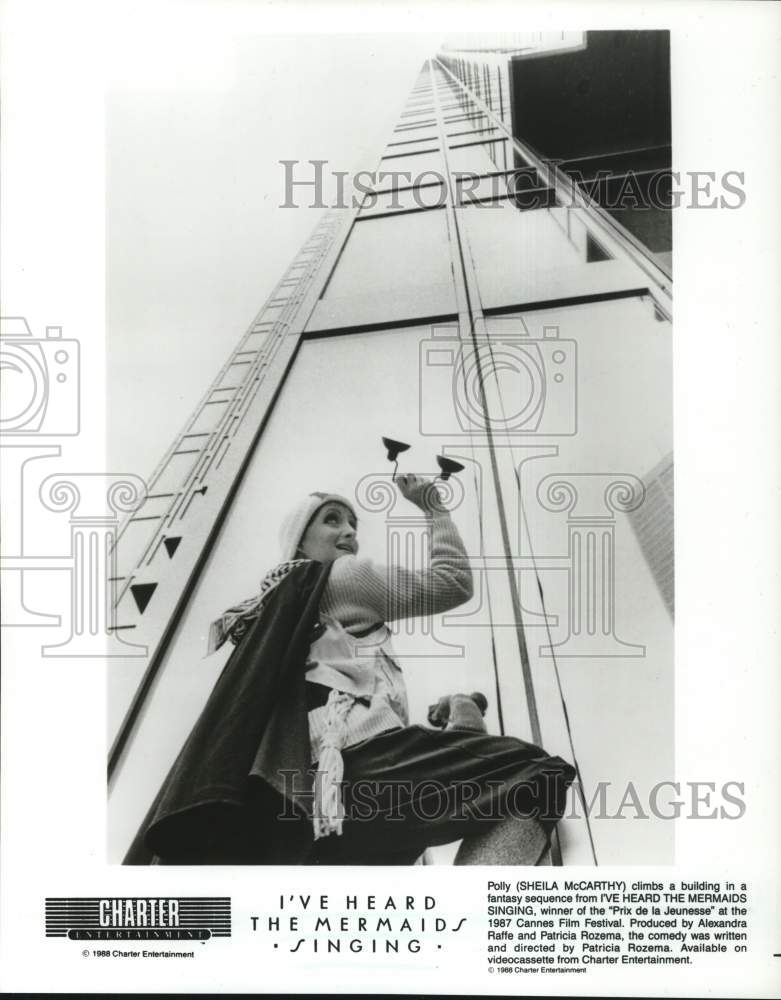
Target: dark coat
240 791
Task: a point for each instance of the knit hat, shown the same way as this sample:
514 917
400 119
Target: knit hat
298 519
234 623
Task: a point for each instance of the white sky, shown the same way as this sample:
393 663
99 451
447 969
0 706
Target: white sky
196 125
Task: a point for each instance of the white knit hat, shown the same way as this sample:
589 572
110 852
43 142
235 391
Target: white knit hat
297 520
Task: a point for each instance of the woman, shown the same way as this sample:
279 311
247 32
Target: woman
305 753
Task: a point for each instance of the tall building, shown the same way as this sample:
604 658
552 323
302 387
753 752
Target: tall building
492 299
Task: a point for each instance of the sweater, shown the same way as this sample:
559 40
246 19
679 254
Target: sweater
362 594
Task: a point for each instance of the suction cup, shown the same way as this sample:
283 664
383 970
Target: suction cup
394 449
448 467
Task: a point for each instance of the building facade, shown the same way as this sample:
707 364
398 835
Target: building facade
486 302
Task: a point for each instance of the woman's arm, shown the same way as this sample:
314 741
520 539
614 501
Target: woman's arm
361 591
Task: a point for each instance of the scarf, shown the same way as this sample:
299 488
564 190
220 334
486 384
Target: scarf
234 623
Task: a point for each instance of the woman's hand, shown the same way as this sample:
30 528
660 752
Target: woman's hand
420 491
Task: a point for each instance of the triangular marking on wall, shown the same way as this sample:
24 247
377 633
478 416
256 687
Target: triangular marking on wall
171 545
142 592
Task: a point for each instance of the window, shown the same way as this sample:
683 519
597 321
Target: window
427 195
408 147
413 166
478 158
391 253
537 256
605 571
393 269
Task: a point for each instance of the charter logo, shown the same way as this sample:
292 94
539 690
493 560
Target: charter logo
137 918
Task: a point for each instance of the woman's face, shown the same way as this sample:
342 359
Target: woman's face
331 533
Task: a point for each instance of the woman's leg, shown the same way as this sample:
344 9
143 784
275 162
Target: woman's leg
509 842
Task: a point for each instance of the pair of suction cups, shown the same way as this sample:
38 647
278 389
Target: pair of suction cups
447 467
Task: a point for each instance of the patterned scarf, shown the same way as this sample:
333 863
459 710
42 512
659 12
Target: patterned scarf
234 623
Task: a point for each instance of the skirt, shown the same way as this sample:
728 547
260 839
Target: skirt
414 787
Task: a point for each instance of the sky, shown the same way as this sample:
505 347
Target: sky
196 237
